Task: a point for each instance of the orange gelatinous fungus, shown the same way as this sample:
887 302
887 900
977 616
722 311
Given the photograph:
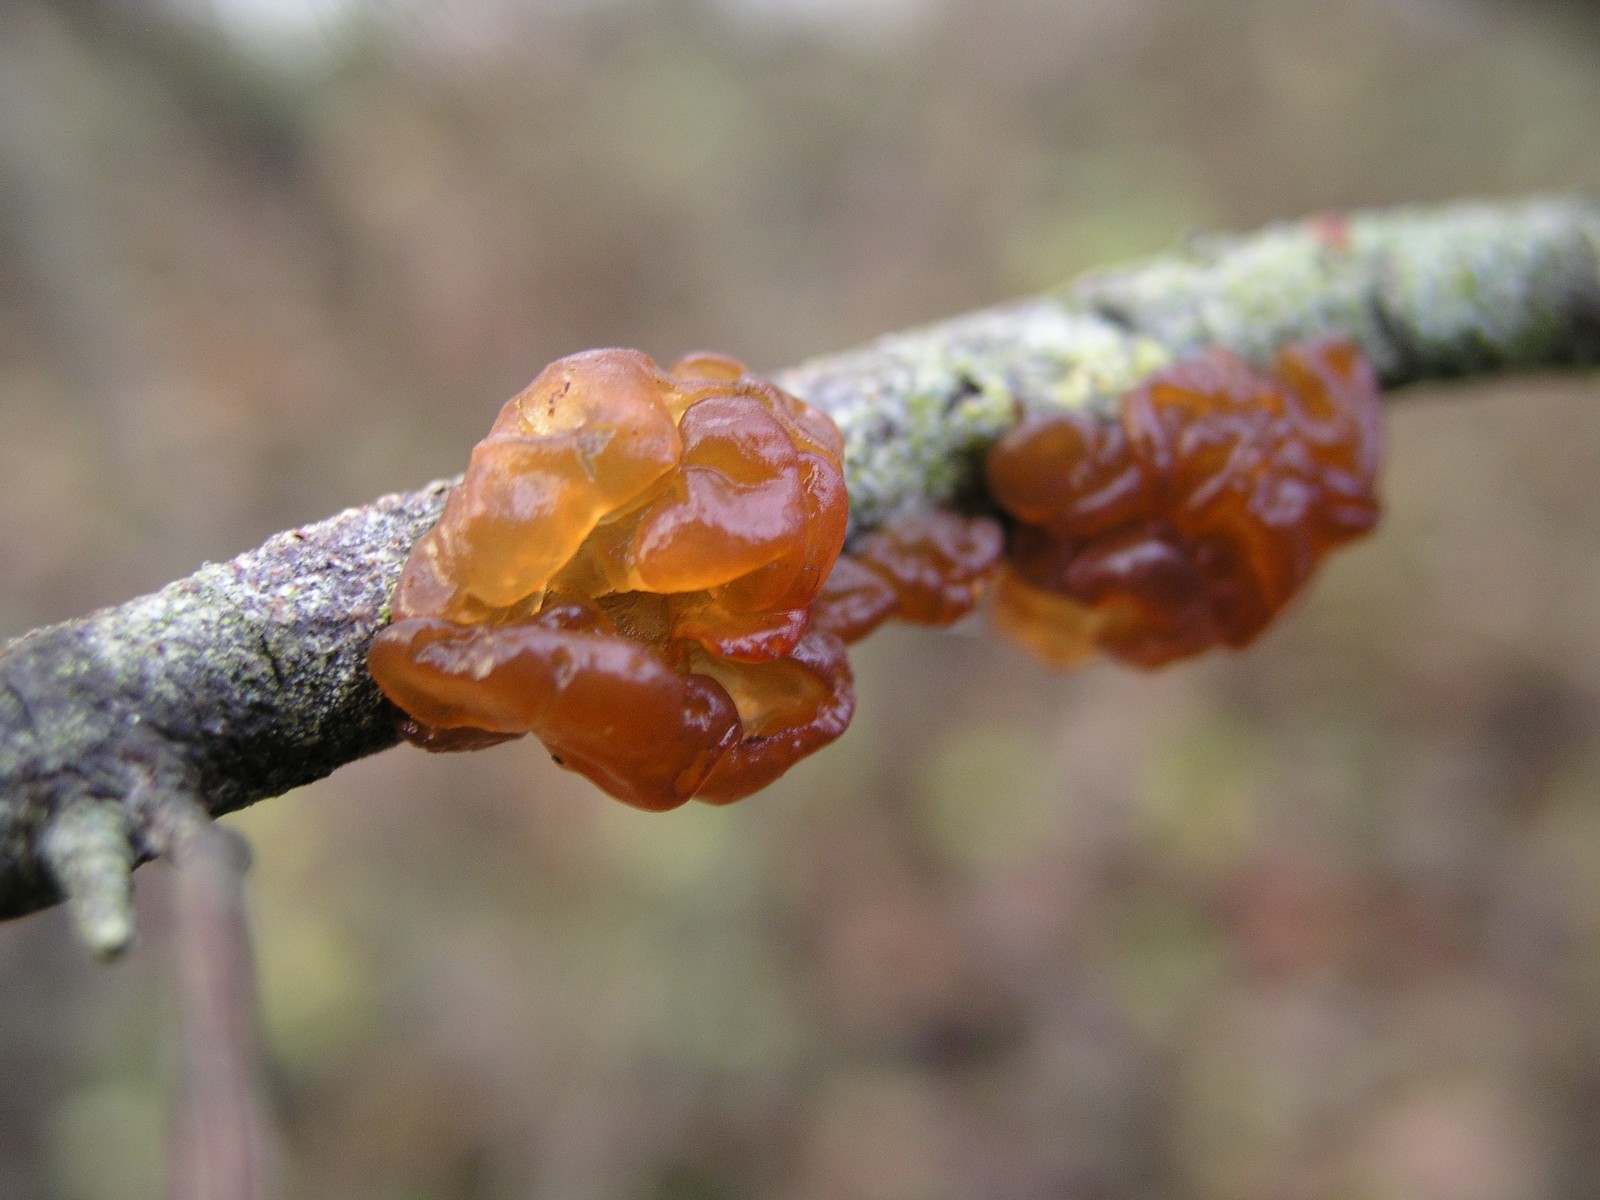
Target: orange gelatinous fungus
927 566
855 600
1192 517
741 636
733 507
626 571
586 438
789 707
605 705
708 365
1055 629
938 562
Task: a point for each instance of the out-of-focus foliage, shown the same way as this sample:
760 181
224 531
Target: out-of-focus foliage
1322 920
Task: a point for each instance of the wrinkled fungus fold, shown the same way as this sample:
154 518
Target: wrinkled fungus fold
926 566
626 571
1195 514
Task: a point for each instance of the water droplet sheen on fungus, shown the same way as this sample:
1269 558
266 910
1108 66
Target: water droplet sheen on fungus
626 570
1192 517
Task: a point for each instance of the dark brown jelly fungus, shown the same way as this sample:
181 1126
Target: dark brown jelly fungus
1192 516
928 566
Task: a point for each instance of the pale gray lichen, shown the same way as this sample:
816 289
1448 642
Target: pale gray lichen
1425 293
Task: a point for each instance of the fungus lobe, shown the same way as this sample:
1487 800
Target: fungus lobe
929 566
626 571
1196 514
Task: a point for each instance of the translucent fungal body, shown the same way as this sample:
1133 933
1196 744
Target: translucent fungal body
626 571
1191 518
927 566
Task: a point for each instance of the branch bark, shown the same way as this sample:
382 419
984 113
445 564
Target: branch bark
248 678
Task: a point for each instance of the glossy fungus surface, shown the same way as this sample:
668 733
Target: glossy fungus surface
626 571
927 566
1191 517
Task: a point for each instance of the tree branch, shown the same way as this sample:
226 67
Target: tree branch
248 678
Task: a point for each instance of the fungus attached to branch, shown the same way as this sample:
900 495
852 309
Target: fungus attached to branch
626 571
1195 514
643 568
926 566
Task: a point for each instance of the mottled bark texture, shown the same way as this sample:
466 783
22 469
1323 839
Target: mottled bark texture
247 678
244 680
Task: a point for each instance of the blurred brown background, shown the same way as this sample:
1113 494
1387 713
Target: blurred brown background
1321 920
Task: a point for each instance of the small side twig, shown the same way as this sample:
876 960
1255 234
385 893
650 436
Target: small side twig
89 851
